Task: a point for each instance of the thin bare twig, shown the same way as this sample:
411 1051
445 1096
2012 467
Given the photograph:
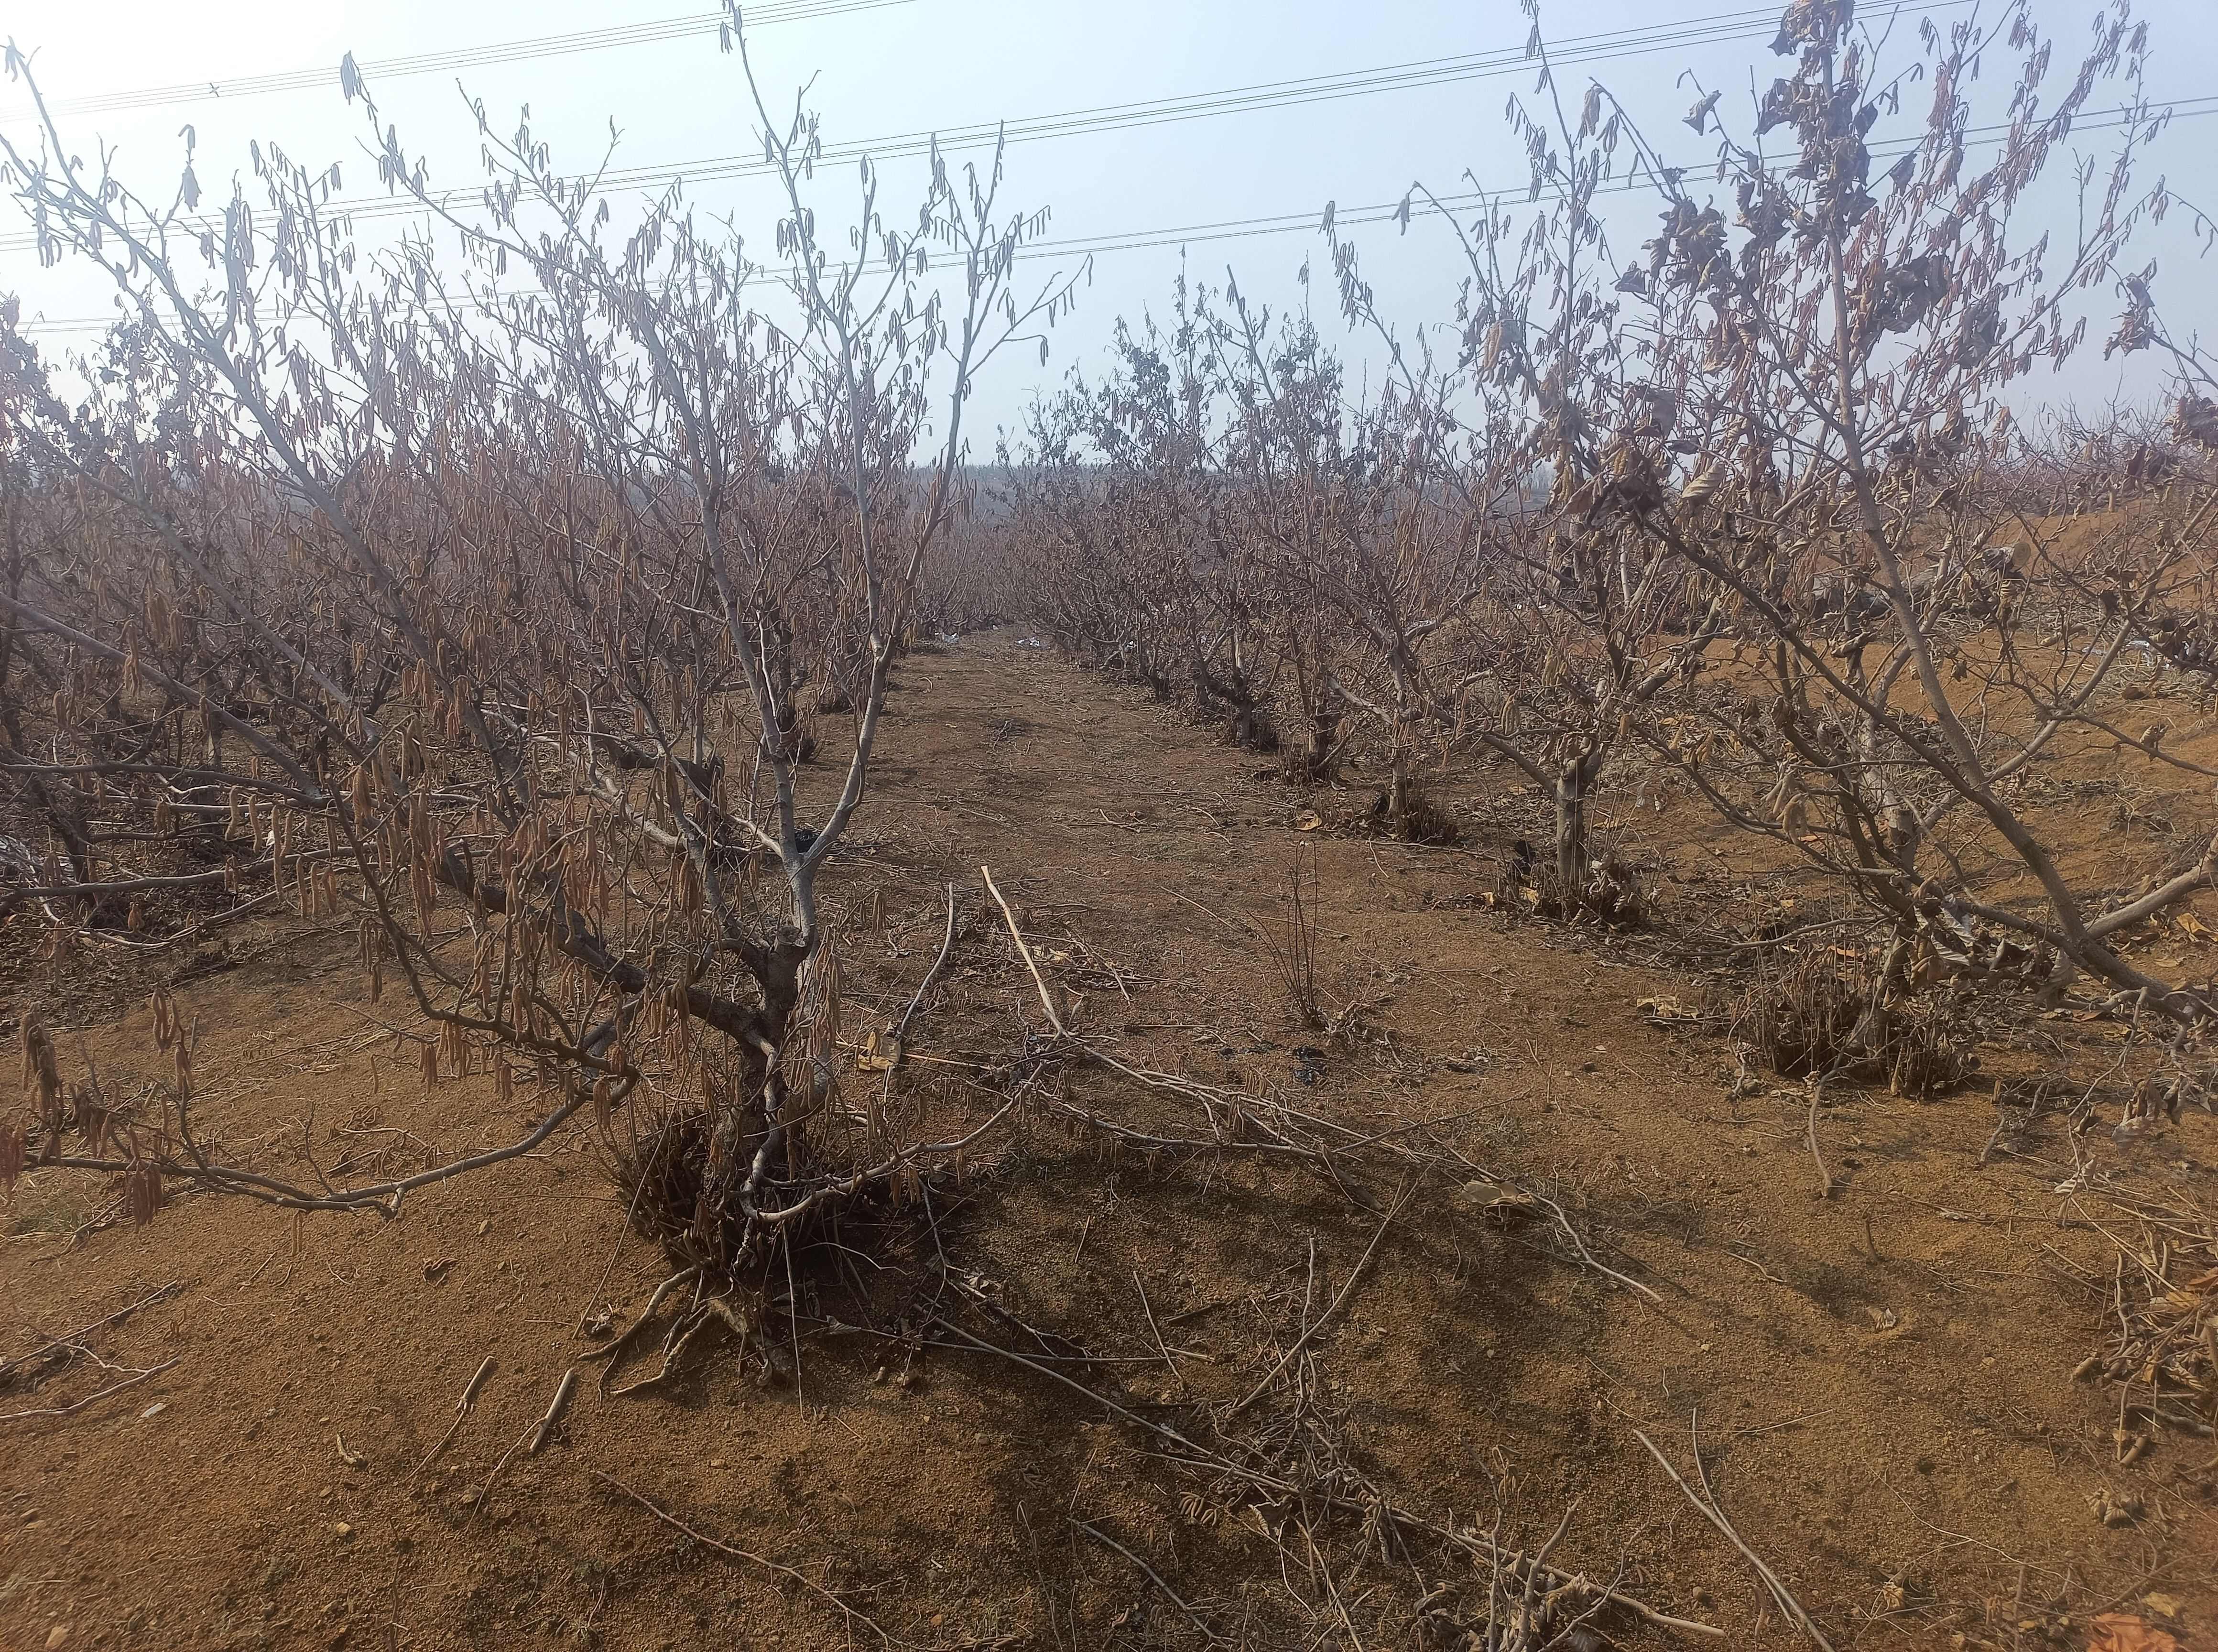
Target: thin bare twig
774 1568
76 1406
1340 1300
1826 1185
1047 1000
1161 1346
552 1417
1217 1463
946 947
9 1367
1169 1593
1707 1507
461 1410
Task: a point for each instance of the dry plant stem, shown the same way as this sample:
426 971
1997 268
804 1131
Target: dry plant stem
534 1437
552 1417
1826 1185
461 1411
1047 1000
1198 1457
485 1492
101 1394
9 1367
1154 1330
1564 1222
1532 1571
385 1197
1294 950
615 1346
1332 1589
673 1349
773 1568
1339 1300
1169 1593
946 947
1709 1510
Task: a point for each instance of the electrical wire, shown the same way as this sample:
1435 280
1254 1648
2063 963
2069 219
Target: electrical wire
1236 229
426 63
1397 77
1713 29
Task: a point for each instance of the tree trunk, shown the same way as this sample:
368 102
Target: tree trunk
1574 781
1324 736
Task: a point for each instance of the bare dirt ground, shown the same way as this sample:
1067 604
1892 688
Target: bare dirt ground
1880 1383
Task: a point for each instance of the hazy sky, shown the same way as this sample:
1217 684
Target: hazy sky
885 70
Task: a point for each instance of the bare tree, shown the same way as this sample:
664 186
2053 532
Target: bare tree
393 588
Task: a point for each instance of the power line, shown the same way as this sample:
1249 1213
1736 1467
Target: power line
426 63
1715 29
1236 229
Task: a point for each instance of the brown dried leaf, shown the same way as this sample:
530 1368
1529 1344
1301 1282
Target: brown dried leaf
2120 1632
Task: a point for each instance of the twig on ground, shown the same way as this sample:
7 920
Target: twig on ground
674 1346
1706 1504
946 948
461 1410
1217 1463
552 1418
615 1346
534 1437
485 1492
1563 1221
730 1553
1169 1593
1826 1185
1047 998
69 1339
1161 1346
1401 1198
76 1406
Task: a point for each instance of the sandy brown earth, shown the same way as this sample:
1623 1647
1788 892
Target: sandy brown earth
1880 1383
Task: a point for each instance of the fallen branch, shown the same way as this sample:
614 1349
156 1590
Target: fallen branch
461 1410
552 1417
384 1197
9 1367
612 1349
946 949
534 1436
774 1568
1169 1594
1706 1504
1155 1331
1825 1182
89 1399
1339 1300
1047 1000
1216 1462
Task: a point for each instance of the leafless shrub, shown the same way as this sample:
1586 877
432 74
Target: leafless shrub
2159 1342
503 637
1292 940
1821 1017
1839 517
1531 885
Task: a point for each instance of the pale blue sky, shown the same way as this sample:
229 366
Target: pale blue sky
943 63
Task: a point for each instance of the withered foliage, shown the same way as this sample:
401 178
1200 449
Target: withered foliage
499 615
1824 1017
1744 518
